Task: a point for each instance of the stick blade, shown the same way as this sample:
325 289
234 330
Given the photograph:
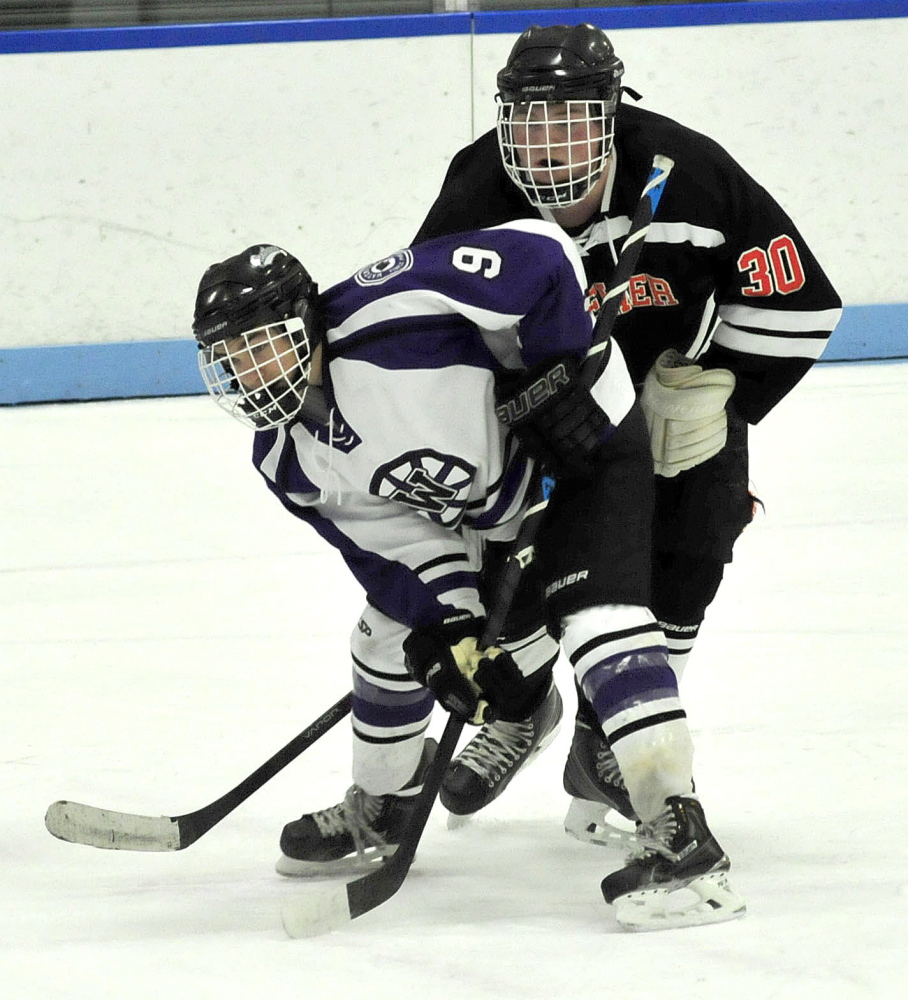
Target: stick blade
111 830
325 908
322 909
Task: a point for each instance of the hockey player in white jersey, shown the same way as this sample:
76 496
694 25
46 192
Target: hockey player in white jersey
400 413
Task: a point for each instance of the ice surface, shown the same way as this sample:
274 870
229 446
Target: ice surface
165 627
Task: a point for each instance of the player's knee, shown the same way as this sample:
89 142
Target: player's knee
684 586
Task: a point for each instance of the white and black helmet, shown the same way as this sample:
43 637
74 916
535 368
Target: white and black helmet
256 325
558 96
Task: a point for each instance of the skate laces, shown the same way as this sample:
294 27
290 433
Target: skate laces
656 835
496 747
607 768
355 815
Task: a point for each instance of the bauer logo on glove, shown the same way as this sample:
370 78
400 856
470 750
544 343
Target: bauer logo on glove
554 415
684 406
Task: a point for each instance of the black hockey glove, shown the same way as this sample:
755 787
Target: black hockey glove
474 685
556 419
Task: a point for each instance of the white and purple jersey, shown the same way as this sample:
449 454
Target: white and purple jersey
414 465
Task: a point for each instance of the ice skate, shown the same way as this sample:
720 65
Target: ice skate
600 811
499 751
354 835
680 879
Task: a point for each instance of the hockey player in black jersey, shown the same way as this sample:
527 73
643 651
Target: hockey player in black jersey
401 414
728 311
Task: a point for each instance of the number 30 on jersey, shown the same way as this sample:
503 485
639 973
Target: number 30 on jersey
778 268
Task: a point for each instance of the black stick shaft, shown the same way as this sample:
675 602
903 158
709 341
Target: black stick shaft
377 887
193 825
541 489
109 829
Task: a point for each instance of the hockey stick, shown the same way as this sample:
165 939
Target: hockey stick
326 908
119 831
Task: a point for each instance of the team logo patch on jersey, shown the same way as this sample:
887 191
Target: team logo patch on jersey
384 269
434 484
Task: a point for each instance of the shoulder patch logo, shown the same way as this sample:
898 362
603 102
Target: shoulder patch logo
384 269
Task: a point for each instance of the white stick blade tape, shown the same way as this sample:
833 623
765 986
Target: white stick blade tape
105 828
320 910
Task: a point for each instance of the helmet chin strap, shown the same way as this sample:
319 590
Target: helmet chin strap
547 196
315 406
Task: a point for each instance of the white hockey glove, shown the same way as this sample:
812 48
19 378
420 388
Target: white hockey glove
684 406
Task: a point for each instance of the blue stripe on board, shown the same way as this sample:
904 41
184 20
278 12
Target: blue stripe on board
165 36
99 371
416 25
169 367
689 15
870 332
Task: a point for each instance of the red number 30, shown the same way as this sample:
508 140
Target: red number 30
777 269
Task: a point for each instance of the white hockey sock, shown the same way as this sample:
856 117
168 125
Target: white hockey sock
680 640
656 762
381 769
534 652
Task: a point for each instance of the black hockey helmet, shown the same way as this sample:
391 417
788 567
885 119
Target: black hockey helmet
557 100
562 63
257 323
263 284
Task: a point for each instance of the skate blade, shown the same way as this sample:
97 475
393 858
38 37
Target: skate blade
351 865
708 899
457 822
595 823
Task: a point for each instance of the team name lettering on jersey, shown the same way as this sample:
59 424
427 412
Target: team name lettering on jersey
643 290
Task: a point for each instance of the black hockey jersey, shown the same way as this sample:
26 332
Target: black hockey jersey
724 276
